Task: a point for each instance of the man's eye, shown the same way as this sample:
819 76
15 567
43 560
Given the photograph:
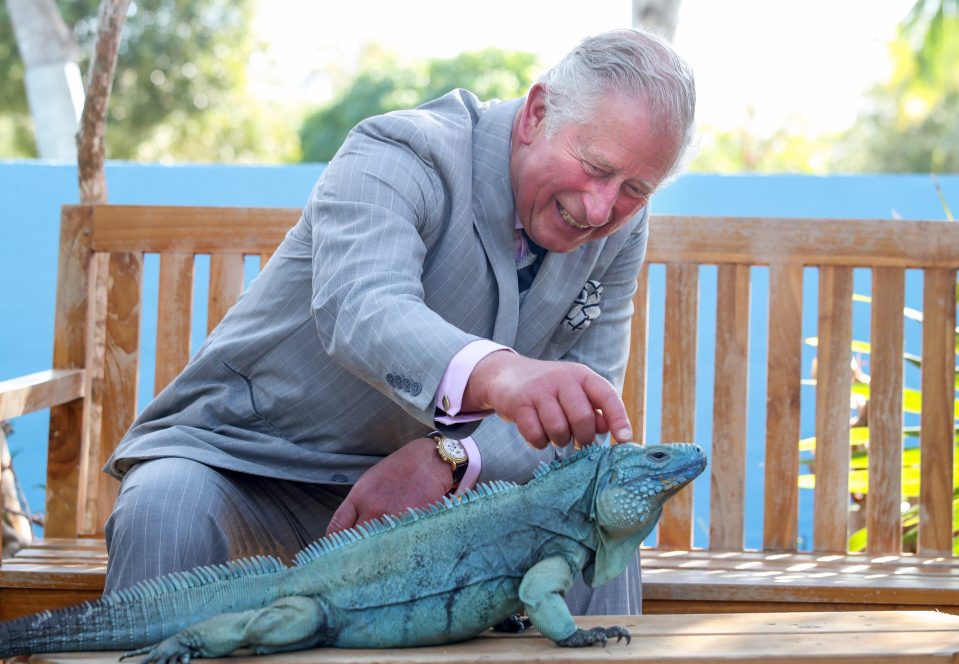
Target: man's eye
592 169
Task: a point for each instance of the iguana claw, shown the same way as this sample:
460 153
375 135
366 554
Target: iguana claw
515 624
582 637
169 651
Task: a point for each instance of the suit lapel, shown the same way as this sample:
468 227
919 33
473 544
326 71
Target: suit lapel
558 282
493 210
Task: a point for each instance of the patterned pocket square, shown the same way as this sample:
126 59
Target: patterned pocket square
585 307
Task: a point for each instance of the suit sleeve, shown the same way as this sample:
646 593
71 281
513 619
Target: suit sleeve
373 215
603 346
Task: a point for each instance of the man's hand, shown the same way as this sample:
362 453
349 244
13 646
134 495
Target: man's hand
550 402
412 476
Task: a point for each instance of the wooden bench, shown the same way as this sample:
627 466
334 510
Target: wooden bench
903 637
91 393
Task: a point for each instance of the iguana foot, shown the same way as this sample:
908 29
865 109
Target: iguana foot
169 651
513 625
584 637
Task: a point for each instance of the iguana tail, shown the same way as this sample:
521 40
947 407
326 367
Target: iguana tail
147 612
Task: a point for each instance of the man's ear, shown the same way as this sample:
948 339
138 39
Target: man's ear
533 116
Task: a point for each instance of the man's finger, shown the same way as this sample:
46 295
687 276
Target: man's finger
344 517
603 397
555 421
580 415
601 425
528 424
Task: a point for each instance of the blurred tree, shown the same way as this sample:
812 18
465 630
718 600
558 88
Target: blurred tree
912 124
660 16
927 27
180 88
54 90
382 85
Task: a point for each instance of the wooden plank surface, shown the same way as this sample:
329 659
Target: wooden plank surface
787 638
679 392
764 241
66 432
938 411
728 458
120 366
784 364
174 313
204 230
883 521
707 240
833 379
36 391
634 385
226 284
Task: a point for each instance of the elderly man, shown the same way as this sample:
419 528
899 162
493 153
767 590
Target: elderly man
452 307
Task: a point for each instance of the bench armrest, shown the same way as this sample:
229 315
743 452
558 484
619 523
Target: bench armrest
37 391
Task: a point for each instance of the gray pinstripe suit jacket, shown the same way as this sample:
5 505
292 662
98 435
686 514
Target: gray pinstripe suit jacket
403 255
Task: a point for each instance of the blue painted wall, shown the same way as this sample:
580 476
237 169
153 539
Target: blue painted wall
32 192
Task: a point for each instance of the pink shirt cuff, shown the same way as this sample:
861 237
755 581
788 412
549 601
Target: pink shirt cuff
472 468
449 394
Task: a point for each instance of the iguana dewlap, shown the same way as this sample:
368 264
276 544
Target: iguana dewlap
431 576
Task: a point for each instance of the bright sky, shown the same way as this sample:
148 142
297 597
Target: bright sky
803 64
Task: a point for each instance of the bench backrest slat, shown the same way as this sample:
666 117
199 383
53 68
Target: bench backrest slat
833 376
114 384
780 507
226 284
679 389
174 315
727 482
885 414
634 384
938 412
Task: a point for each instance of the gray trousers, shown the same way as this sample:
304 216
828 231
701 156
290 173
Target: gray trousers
174 514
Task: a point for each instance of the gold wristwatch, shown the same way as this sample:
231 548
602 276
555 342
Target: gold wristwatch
452 452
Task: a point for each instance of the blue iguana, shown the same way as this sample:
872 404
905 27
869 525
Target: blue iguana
429 576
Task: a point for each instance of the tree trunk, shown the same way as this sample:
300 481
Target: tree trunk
93 124
658 16
51 75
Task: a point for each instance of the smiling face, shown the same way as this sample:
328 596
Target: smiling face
586 180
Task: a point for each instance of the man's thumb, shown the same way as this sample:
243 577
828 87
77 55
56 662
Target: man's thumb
344 517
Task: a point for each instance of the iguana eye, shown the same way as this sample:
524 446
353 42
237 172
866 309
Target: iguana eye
658 455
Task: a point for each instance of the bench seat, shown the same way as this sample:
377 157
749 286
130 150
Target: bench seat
904 637
701 581
59 572
51 573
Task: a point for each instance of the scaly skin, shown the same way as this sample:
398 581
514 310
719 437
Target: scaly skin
426 577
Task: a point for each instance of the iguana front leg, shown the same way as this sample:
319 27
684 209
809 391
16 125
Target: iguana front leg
541 592
290 623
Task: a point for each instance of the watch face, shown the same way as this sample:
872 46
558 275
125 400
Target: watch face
454 450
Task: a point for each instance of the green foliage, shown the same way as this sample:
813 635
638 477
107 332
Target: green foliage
383 85
912 125
179 90
908 125
744 150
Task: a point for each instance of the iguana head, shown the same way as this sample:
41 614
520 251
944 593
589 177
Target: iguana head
630 491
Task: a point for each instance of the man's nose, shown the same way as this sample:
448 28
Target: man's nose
600 201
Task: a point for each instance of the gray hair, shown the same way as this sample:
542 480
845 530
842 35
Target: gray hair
631 62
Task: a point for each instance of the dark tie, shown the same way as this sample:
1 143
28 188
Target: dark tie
525 275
